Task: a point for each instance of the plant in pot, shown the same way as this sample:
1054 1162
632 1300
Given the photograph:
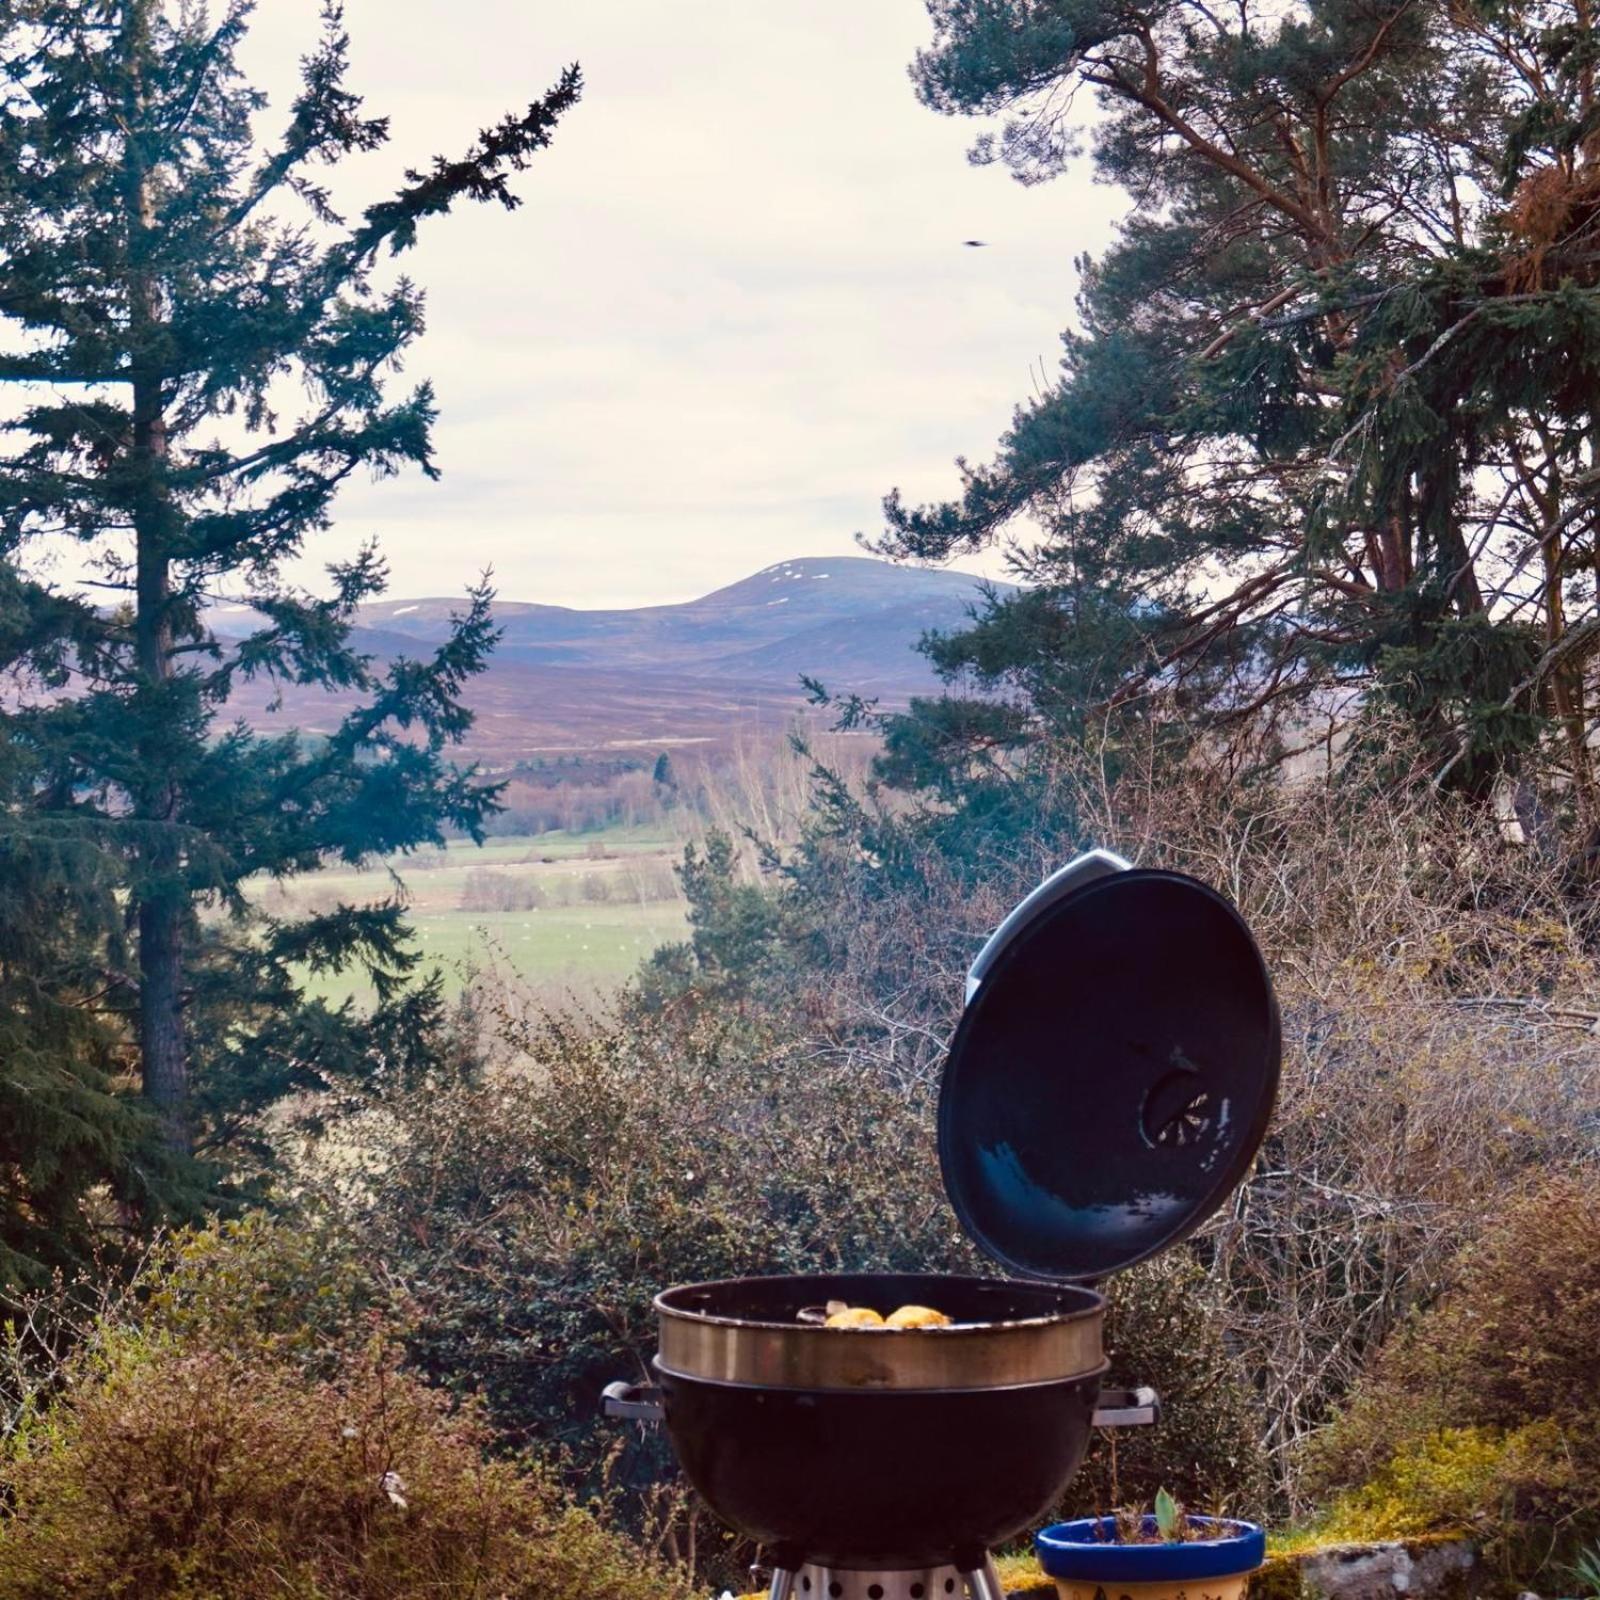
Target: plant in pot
1140 1556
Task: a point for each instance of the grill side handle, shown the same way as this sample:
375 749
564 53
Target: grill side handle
1118 1408
631 1402
1127 1408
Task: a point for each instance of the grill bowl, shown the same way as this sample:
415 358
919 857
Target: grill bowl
860 1448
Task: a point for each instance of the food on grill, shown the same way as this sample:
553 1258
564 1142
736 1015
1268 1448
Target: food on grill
841 1315
917 1317
854 1317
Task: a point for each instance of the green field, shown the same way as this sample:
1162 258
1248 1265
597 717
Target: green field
556 912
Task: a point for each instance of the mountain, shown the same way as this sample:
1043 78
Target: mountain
773 623
569 680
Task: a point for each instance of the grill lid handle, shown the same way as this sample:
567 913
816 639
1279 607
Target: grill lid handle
631 1402
1127 1408
1080 870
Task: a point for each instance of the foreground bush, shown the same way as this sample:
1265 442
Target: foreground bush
1478 1481
1484 1412
175 1471
532 1217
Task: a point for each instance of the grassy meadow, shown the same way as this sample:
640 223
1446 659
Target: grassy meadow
556 912
567 912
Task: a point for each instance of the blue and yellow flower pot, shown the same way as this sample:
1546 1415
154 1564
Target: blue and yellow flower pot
1087 1561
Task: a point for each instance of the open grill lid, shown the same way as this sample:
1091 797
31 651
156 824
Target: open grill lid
1113 1073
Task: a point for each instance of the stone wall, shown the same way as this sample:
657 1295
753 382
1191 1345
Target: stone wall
1418 1569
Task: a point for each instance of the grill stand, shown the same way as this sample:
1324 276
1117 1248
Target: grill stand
811 1582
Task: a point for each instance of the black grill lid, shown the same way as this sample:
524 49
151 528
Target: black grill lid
1112 1075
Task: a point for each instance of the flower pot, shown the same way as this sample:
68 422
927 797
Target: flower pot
1087 1561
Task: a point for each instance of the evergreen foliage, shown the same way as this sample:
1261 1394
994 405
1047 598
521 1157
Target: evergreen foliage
66 1117
1326 423
200 351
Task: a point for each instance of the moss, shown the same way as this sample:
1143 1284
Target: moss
1446 1483
1279 1579
1020 1574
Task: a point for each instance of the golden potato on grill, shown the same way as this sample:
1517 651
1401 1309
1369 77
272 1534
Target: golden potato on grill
854 1317
843 1316
917 1317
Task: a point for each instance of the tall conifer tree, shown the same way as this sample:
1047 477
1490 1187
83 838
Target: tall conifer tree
1327 420
200 351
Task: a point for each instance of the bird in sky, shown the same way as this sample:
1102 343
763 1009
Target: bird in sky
975 244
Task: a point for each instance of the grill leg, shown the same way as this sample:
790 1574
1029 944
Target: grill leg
983 1583
782 1584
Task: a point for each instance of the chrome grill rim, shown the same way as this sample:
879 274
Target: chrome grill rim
1062 1346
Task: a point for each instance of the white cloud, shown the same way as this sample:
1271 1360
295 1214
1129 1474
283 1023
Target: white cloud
734 308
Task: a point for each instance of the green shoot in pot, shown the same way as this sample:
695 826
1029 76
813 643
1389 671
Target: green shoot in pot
1169 1517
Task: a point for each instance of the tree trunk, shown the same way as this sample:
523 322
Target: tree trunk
1566 687
159 894
162 1046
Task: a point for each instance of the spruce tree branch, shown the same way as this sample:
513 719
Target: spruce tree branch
1459 326
482 174
313 434
1359 302
42 368
283 514
225 34
324 117
1580 641
1476 308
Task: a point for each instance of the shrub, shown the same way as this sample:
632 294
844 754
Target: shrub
1165 1327
175 1471
486 890
1506 1358
1512 1340
293 1287
534 1215
288 1287
1435 976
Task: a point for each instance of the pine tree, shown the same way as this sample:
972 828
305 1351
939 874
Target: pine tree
202 350
1326 424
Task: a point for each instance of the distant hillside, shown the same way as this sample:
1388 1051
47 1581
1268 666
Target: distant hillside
569 680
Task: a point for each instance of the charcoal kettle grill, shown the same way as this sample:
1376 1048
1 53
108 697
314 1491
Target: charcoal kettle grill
1106 1089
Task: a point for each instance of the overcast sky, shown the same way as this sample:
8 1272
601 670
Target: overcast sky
734 308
